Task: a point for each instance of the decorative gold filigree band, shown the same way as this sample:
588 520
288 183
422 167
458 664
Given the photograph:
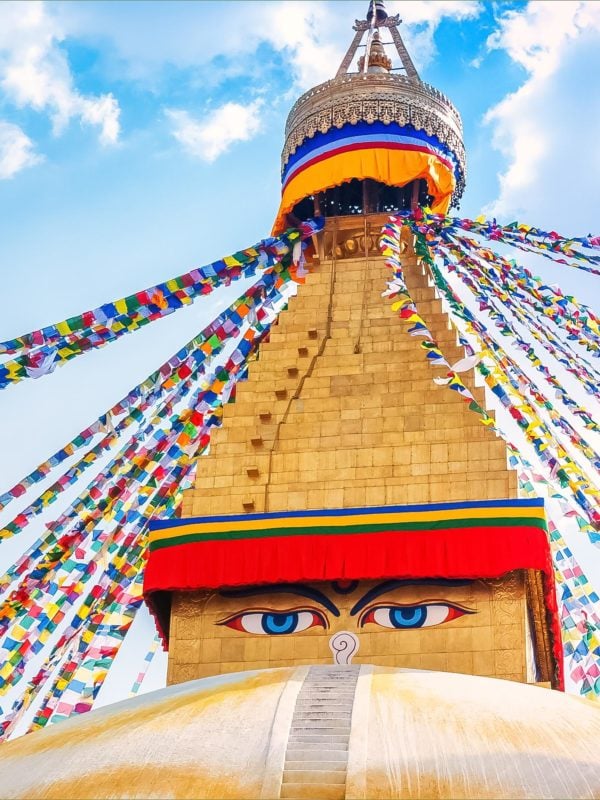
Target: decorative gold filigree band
386 98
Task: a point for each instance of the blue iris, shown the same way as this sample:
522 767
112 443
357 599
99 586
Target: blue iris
408 617
280 623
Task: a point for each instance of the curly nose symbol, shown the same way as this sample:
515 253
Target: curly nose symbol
344 646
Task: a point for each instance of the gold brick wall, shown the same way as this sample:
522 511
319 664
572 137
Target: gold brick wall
489 641
340 410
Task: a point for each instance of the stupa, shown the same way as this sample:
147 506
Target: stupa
355 598
339 440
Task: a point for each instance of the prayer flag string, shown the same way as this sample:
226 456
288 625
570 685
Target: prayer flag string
44 612
516 303
41 351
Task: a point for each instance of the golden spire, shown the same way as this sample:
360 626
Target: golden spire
378 20
378 61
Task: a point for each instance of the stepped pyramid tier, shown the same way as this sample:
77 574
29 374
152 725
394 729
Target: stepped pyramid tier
376 139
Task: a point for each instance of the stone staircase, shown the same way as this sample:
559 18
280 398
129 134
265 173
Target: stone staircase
317 752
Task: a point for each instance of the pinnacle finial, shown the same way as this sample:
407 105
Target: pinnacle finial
377 10
377 19
377 60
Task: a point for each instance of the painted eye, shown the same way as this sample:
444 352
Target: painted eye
275 623
418 616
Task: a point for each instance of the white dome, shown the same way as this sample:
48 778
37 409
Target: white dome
319 732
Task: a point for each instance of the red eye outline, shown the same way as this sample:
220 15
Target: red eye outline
235 620
454 612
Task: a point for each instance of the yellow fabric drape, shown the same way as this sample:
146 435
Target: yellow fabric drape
394 167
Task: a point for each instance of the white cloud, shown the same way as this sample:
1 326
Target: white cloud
312 36
535 38
306 33
16 150
191 35
214 135
315 35
34 72
547 130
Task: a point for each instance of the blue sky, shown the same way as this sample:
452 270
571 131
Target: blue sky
138 140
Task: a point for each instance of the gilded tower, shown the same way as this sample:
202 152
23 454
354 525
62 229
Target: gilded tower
350 508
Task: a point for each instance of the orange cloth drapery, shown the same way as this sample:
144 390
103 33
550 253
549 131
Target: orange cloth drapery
393 166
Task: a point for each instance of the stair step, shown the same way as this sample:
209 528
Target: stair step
313 776
325 707
322 687
315 765
311 718
321 722
336 698
322 714
306 711
317 751
337 669
302 751
317 730
317 744
315 704
335 695
323 738
308 791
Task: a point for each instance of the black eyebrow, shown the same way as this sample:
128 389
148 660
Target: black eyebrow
289 588
387 586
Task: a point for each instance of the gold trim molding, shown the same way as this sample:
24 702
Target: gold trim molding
540 627
369 97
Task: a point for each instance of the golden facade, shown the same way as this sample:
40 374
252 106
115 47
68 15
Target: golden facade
486 637
340 411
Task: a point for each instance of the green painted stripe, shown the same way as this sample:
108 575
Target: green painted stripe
488 522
